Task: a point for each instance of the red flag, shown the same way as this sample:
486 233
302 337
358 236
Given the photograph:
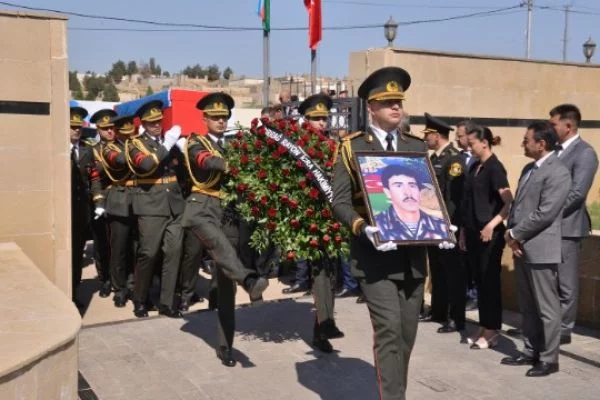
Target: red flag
314 22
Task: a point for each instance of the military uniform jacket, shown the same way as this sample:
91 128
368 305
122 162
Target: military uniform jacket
349 207
80 183
393 228
111 179
449 169
156 191
205 165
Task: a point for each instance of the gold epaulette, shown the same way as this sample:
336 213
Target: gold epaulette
90 142
352 136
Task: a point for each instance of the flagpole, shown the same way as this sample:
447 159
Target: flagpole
313 71
266 60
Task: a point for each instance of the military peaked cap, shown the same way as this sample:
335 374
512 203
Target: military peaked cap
387 83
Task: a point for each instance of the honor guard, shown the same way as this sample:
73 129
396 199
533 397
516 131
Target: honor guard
391 277
99 182
117 182
213 226
157 203
448 299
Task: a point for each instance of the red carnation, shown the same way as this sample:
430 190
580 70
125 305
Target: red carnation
314 243
264 200
262 174
239 134
233 171
295 223
310 176
299 164
302 184
300 143
329 164
273 186
275 155
309 212
313 193
261 131
245 146
284 198
285 172
242 187
291 255
258 144
338 239
313 228
306 137
270 141
258 160
282 124
272 212
293 204
311 152
281 150
335 226
271 225
244 159
235 144
255 211
294 127
320 155
325 213
326 239
251 196
254 123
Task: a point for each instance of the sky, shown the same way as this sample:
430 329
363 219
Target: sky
502 34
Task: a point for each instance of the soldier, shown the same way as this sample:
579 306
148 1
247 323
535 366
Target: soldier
114 186
81 159
99 184
213 226
391 277
447 269
157 203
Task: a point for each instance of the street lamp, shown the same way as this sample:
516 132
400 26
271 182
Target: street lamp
389 29
588 49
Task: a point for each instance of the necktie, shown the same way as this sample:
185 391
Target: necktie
531 172
390 140
559 149
221 142
74 154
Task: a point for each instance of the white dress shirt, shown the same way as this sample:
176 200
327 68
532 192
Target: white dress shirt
567 143
380 134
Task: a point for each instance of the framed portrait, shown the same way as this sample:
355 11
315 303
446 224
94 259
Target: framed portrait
403 198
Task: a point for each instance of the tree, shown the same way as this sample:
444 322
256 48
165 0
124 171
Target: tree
149 91
118 71
195 72
213 72
166 74
132 68
110 93
75 86
227 73
94 85
154 67
157 71
145 71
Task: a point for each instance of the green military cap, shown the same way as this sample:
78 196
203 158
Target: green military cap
218 104
387 83
103 118
317 105
77 115
124 124
151 111
436 125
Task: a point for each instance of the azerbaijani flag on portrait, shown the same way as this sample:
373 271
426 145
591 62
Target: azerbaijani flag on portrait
264 12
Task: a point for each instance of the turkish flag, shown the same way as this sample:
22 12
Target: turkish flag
314 22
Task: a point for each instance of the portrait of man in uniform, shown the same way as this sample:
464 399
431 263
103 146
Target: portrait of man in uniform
403 198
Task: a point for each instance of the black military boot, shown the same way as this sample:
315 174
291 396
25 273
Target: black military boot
320 340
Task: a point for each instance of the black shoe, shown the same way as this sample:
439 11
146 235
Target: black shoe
542 369
255 287
361 299
308 293
471 305
425 317
516 333
140 310
105 289
450 327
330 330
346 293
150 306
226 356
565 339
322 344
184 305
120 299
78 304
295 288
518 360
169 312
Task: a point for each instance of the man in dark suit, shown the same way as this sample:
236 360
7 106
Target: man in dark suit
582 162
448 293
391 277
534 235
157 203
81 160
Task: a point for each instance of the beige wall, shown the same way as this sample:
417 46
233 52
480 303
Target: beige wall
35 176
459 85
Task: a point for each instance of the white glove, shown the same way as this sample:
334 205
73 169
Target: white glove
448 245
171 137
387 246
180 143
99 211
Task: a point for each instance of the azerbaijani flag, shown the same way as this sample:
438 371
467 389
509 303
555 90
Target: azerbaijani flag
264 12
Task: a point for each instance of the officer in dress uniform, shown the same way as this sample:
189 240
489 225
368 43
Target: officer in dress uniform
99 182
391 277
212 225
447 269
81 160
157 203
111 190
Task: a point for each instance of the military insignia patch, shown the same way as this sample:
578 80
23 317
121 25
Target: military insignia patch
218 105
320 107
456 169
392 86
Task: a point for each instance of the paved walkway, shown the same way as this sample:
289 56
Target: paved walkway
161 358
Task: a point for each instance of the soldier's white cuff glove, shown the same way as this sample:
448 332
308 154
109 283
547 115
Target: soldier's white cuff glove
171 137
180 143
99 211
370 233
449 245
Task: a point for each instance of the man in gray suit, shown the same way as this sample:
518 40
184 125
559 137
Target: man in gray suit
534 235
581 161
